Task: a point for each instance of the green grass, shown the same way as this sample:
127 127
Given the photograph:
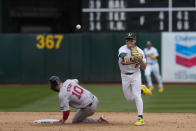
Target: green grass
176 98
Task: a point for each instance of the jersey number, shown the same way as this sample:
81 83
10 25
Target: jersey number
77 91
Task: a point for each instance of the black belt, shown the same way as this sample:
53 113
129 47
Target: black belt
91 102
151 63
128 73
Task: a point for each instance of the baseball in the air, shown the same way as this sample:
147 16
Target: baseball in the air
78 26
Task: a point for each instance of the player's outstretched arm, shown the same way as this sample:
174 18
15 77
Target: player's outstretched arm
65 116
142 64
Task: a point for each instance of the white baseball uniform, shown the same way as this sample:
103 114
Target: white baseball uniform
152 66
72 94
131 79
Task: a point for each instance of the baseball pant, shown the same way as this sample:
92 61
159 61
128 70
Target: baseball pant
155 69
83 114
132 89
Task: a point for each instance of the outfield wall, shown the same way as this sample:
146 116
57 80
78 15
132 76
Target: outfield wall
32 58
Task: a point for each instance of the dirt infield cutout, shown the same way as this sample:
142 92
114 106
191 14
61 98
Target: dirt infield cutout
23 121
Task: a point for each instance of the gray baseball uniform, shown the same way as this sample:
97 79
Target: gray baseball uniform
72 94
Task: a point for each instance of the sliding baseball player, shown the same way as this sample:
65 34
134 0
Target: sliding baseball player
72 94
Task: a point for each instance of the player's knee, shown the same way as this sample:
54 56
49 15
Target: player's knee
147 74
129 98
74 121
137 97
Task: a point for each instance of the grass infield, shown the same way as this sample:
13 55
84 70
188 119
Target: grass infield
176 98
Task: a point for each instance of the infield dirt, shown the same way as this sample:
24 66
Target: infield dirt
23 121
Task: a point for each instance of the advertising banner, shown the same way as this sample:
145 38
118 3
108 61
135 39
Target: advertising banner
179 57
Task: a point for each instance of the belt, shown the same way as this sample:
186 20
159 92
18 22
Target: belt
151 63
90 104
128 73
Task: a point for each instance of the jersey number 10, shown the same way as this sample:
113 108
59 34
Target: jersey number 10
77 91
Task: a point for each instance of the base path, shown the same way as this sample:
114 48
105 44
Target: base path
23 121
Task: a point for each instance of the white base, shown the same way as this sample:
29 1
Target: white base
45 121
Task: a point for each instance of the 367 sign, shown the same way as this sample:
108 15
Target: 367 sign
48 41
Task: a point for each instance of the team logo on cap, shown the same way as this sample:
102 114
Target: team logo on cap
129 34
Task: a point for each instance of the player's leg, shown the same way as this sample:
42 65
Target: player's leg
148 71
92 109
145 90
136 90
157 75
83 114
126 83
80 115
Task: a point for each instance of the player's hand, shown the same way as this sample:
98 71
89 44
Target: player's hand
142 64
126 60
61 122
148 55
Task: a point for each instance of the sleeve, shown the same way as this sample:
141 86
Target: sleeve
121 50
66 115
64 103
122 55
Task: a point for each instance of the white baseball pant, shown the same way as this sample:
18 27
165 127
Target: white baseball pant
132 89
155 69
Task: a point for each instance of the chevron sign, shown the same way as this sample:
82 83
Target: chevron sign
185 50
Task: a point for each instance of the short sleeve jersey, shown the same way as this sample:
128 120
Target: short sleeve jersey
129 68
152 52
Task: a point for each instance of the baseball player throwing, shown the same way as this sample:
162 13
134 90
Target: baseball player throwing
151 54
131 58
72 94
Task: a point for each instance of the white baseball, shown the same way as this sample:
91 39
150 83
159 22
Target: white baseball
78 26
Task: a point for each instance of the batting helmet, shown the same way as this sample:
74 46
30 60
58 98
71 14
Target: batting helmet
54 81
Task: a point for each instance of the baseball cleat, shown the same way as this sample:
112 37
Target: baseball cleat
151 88
102 119
145 90
139 122
160 90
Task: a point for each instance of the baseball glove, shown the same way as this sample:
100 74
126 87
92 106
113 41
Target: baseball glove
136 56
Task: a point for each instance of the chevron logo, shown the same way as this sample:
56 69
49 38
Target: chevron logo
186 56
186 51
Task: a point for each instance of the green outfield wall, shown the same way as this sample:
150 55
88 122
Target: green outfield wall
90 57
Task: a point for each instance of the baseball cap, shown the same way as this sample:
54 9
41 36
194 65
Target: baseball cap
131 36
148 43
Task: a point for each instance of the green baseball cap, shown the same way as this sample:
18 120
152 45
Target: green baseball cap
131 36
148 43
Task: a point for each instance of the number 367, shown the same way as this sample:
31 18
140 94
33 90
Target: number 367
49 41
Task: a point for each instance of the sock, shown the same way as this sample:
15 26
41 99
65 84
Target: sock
139 105
140 116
